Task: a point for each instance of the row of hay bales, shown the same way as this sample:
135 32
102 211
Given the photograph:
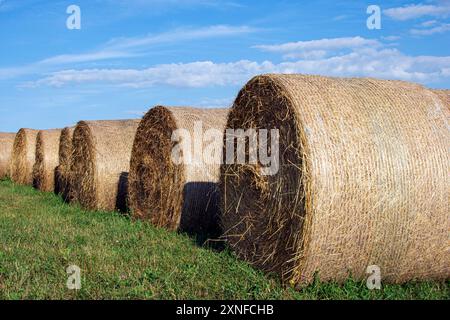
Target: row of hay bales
363 176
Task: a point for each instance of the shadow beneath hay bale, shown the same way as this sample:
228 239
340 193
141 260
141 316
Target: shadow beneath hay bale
62 187
58 185
122 192
35 183
200 213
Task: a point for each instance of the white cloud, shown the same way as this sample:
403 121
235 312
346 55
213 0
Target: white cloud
86 57
368 62
391 38
195 74
132 46
127 47
214 103
340 17
428 23
319 48
180 34
442 28
414 11
322 44
306 55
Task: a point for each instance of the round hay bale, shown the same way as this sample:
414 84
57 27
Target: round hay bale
176 195
46 159
63 169
363 180
6 145
444 95
23 156
100 163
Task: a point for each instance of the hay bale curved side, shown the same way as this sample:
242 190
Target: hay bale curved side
23 156
100 163
176 194
444 94
63 169
6 146
362 180
46 159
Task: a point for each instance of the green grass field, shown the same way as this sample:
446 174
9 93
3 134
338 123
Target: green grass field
40 236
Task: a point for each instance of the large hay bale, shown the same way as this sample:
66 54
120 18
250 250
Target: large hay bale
23 156
62 182
444 94
6 146
100 163
46 159
363 180
178 195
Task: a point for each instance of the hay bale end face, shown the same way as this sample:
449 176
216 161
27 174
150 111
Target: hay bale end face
362 180
62 183
6 146
23 156
46 159
100 163
178 196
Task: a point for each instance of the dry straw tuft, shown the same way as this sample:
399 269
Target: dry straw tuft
23 156
46 159
100 163
179 196
6 145
62 182
363 180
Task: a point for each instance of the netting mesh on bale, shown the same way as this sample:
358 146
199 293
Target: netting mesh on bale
46 159
23 156
6 146
363 180
100 163
62 183
444 95
177 195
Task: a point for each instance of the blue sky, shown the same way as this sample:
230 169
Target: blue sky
132 54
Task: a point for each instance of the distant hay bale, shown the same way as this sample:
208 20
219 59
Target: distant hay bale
363 180
46 159
6 146
177 196
100 163
63 169
23 156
